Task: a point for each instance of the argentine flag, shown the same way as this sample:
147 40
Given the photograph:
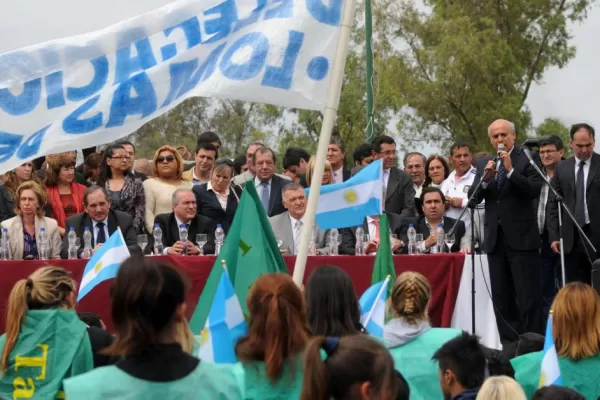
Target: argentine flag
346 204
224 326
550 373
104 264
372 306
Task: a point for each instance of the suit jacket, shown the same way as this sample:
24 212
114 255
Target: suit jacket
16 237
116 219
7 204
461 236
142 177
511 205
563 181
208 205
348 245
275 198
282 228
200 224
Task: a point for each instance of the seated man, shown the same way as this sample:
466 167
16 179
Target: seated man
184 212
433 201
370 227
287 226
101 221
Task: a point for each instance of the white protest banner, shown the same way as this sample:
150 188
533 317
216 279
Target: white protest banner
95 88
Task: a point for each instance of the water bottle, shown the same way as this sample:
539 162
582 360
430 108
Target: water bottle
183 237
87 243
72 239
219 239
158 244
5 245
440 244
42 242
412 240
360 246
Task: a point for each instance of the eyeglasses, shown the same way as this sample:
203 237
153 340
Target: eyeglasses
389 152
161 159
120 158
224 161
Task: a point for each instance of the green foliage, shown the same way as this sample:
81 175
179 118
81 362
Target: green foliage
553 126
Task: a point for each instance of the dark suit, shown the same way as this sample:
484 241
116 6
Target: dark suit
208 205
116 219
421 227
140 176
348 245
275 196
200 224
577 264
512 243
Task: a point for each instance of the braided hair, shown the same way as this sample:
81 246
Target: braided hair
410 297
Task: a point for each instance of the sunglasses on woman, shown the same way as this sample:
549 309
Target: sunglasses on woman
161 159
224 161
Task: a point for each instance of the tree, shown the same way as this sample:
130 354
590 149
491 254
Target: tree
553 126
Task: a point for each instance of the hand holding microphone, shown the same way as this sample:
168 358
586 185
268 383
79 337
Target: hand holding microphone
490 169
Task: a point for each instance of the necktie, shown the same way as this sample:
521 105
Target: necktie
579 195
501 176
264 196
297 230
376 223
101 238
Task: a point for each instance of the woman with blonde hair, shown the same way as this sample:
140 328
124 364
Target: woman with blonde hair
327 177
576 331
12 180
501 388
411 339
167 177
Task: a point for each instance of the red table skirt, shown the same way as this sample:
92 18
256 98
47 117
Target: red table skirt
443 272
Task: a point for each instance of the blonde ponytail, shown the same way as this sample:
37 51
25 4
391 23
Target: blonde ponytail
17 305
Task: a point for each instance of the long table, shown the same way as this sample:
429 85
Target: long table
443 271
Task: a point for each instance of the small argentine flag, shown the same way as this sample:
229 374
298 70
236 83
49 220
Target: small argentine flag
372 306
550 373
104 264
346 204
224 326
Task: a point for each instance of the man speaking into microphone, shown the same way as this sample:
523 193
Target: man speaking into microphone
512 241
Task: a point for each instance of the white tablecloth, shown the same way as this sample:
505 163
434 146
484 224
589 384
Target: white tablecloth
485 321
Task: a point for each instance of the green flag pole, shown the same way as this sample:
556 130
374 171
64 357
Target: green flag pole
369 50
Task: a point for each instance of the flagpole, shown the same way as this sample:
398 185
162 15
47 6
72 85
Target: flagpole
379 294
329 117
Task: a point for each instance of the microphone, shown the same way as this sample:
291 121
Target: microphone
232 188
497 158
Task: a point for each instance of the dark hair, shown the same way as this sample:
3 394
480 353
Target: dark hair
403 392
379 140
497 363
262 150
339 142
361 152
105 171
350 360
464 356
332 304
529 342
556 393
432 158
145 296
412 154
458 145
552 140
238 163
293 156
576 127
208 137
125 143
432 189
92 161
207 146
90 319
93 189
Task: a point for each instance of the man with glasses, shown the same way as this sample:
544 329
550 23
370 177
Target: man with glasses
206 154
250 173
130 149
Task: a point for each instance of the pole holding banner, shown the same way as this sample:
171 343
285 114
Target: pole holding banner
369 58
329 117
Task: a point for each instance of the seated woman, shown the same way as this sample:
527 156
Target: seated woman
12 180
411 339
42 324
576 331
327 176
148 306
272 353
23 230
332 304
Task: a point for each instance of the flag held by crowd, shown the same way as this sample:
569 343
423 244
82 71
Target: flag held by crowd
550 371
346 204
104 264
384 260
372 306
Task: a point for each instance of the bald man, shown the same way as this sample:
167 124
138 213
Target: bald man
512 241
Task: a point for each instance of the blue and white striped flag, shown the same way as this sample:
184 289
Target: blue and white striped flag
104 264
550 373
224 326
372 306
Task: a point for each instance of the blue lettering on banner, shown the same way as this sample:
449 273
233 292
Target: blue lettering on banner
281 77
283 10
32 145
191 30
219 28
252 18
100 65
330 15
318 68
123 104
24 102
128 65
9 143
54 87
72 124
239 72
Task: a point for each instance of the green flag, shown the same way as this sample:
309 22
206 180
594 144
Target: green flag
384 262
250 250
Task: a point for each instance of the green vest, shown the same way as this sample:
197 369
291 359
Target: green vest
582 376
52 345
259 387
207 381
413 361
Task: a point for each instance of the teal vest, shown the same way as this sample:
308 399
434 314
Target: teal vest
413 361
259 387
207 381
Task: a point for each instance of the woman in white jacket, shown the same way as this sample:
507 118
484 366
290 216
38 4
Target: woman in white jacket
23 229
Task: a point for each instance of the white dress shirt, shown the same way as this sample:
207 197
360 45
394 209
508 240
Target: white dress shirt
386 179
338 175
179 222
458 187
97 230
418 190
221 197
586 170
259 187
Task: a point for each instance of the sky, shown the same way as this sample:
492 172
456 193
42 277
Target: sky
569 94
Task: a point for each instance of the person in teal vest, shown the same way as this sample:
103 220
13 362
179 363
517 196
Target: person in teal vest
148 306
45 341
272 353
576 331
410 337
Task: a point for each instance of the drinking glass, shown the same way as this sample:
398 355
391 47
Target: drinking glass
419 239
201 239
449 240
142 241
279 241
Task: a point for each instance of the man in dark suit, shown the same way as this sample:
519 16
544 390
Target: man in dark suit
130 149
268 185
370 227
101 221
336 152
434 201
184 213
512 239
577 179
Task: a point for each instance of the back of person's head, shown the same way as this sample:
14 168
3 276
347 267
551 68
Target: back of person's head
501 388
529 342
238 163
278 329
148 301
91 319
497 363
576 321
208 137
293 156
402 387
47 288
355 365
410 297
332 305
556 393
461 362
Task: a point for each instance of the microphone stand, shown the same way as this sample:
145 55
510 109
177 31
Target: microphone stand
562 204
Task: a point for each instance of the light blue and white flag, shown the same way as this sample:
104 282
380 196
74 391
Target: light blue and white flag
550 371
224 326
372 306
104 264
346 204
